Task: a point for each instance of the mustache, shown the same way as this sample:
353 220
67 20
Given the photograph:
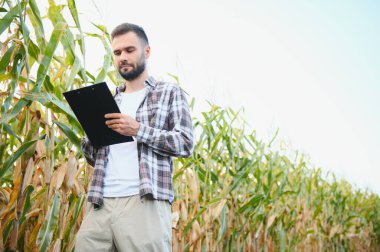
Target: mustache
123 64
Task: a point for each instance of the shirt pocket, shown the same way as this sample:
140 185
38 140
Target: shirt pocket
157 110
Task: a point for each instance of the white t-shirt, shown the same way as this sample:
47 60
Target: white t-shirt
122 171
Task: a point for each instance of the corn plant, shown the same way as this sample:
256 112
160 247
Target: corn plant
42 174
236 193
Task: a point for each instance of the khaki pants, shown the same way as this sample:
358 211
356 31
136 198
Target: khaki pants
126 224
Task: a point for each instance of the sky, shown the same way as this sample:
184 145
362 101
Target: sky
307 68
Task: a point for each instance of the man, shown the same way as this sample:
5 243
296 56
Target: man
131 189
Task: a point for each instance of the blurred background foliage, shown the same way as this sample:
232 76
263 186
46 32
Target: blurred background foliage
236 193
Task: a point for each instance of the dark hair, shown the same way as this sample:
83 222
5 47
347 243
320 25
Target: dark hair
128 27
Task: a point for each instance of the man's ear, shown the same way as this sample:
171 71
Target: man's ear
147 52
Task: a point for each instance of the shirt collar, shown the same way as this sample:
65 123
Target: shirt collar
150 82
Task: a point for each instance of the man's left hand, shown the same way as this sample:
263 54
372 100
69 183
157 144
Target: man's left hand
122 123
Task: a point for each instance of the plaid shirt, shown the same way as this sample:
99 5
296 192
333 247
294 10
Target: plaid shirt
165 131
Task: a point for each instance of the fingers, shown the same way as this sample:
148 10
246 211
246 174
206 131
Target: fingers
113 121
121 123
113 115
114 126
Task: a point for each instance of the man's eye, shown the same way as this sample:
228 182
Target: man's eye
117 53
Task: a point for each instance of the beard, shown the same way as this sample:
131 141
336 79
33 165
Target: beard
136 70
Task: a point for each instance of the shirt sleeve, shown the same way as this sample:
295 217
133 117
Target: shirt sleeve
89 151
178 139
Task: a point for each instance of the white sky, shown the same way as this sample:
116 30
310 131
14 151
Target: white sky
310 69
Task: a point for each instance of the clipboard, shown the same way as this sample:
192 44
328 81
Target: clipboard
89 105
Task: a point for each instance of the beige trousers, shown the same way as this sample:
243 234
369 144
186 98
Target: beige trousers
126 224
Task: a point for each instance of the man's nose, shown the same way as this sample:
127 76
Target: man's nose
124 56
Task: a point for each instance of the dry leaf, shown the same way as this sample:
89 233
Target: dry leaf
28 174
60 175
71 171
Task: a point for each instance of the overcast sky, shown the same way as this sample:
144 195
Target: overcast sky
309 68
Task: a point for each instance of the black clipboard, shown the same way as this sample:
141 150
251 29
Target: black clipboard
90 104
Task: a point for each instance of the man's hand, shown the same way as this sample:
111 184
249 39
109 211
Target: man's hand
123 124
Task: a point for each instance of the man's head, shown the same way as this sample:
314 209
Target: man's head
130 47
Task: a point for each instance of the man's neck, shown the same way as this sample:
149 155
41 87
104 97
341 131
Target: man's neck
136 84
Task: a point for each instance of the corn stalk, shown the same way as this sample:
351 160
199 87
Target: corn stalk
236 193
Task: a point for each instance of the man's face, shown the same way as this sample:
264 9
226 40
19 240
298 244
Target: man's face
130 55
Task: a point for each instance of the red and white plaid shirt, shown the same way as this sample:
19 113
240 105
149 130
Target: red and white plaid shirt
165 131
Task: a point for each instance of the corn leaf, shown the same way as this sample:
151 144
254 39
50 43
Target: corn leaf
12 158
5 59
49 226
56 36
36 21
8 18
69 133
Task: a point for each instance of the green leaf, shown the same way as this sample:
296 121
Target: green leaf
175 77
27 203
7 230
33 50
81 43
107 57
51 101
15 110
2 149
282 242
56 36
49 87
251 204
74 13
4 77
49 226
103 72
8 18
24 28
9 130
21 150
77 204
103 29
69 133
18 65
4 62
188 226
112 76
187 247
36 21
89 75
223 224
74 71
67 40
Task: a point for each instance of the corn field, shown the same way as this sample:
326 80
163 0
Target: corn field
236 193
